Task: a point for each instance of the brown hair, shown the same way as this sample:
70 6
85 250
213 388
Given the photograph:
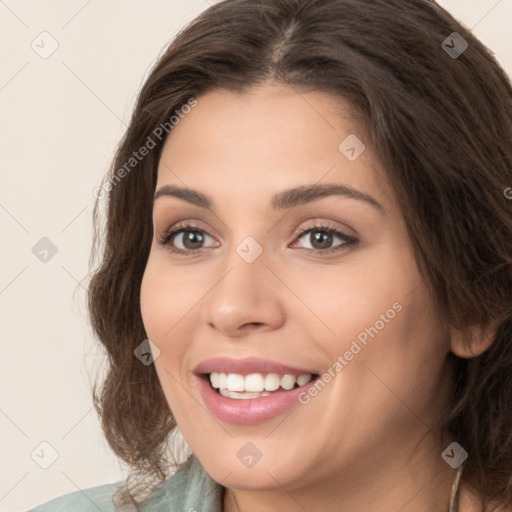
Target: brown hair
442 127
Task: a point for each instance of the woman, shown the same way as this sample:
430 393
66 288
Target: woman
307 267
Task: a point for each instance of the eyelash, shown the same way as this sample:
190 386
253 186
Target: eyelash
179 228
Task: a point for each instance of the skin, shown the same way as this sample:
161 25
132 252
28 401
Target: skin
368 440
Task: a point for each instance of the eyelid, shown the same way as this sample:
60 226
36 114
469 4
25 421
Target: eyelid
320 222
349 241
178 228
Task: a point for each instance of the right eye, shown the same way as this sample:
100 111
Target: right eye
190 237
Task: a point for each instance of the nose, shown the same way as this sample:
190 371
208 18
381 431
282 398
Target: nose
246 296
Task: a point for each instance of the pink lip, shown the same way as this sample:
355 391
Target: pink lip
254 410
248 411
246 366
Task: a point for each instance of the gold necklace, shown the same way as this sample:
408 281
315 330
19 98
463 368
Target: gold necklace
455 489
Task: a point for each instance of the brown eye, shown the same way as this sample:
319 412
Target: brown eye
321 239
189 239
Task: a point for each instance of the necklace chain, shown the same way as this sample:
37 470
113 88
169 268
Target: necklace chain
455 489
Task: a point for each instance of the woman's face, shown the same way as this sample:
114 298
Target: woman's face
249 296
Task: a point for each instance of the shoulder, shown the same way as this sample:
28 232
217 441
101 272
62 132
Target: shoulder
86 500
190 488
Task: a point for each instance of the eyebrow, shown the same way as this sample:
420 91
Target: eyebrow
282 201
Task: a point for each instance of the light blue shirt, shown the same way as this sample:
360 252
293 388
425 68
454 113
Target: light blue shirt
190 489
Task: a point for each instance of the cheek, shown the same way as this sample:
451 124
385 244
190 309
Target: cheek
170 302
381 321
151 304
161 309
357 295
165 298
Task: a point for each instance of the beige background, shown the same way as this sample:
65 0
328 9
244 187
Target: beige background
61 118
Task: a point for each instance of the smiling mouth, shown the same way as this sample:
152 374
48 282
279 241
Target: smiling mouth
255 385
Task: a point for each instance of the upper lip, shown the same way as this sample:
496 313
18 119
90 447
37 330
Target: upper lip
247 366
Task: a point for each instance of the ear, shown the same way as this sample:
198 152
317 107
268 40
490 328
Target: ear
474 340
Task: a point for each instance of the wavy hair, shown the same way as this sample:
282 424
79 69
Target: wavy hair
440 123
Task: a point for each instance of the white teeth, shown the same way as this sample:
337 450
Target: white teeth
214 379
272 382
234 394
303 379
288 381
235 382
255 383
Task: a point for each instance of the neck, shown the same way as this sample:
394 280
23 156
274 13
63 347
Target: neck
412 479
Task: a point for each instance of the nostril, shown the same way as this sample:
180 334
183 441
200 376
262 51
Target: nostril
251 324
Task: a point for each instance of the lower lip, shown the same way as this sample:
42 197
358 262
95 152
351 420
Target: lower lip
250 410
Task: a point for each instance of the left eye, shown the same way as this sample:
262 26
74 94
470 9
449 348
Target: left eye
323 237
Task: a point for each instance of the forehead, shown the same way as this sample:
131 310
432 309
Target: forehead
269 138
